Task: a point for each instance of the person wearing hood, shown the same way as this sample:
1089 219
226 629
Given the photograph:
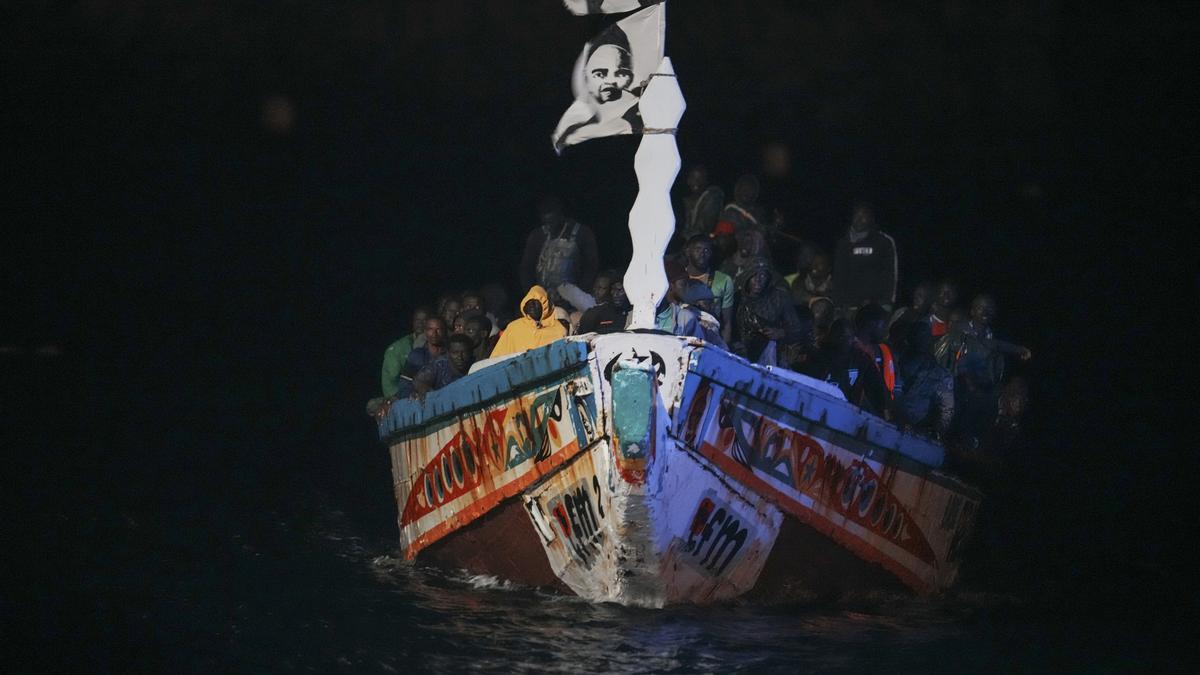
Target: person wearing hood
765 313
865 267
536 327
751 247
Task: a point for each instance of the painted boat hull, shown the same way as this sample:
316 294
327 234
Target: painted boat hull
652 470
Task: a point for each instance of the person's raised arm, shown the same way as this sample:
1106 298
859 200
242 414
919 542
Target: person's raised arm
1003 347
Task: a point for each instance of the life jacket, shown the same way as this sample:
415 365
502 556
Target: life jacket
889 368
937 327
559 257
885 363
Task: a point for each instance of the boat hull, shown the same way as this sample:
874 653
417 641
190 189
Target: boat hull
652 470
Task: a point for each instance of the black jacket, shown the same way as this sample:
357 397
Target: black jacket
865 271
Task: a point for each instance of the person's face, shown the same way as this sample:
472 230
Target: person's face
876 331
804 258
709 305
472 302
435 331
983 311
758 282
602 289
745 192
460 356
921 298
418 321
608 74
700 255
697 180
533 310
841 336
474 330
822 313
863 219
618 293
947 295
820 268
450 311
551 217
460 326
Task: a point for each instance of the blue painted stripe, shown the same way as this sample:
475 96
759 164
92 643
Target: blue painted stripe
504 380
793 399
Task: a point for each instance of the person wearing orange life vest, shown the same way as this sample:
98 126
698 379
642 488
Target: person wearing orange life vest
945 298
870 327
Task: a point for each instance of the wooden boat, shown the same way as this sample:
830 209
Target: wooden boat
648 469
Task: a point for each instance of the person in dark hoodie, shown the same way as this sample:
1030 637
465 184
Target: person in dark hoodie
765 312
865 266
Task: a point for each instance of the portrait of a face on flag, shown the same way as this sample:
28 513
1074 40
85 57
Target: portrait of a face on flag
582 7
609 76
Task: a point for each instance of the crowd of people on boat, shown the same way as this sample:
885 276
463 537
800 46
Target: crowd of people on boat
931 363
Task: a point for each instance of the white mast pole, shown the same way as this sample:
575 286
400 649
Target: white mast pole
652 220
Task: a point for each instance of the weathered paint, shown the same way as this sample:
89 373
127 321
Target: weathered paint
465 460
878 502
654 470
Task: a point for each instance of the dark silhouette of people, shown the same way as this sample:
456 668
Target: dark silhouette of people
817 282
700 206
976 359
559 251
839 362
870 327
744 212
865 267
924 389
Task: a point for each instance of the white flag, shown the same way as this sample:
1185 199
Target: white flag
581 7
609 76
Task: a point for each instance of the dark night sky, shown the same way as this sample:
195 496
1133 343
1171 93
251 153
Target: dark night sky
187 255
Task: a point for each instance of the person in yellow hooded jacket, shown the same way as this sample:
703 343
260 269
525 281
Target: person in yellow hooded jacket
536 327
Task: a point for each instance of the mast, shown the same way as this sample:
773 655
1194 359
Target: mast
652 220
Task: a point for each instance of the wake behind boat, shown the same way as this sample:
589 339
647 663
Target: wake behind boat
652 469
